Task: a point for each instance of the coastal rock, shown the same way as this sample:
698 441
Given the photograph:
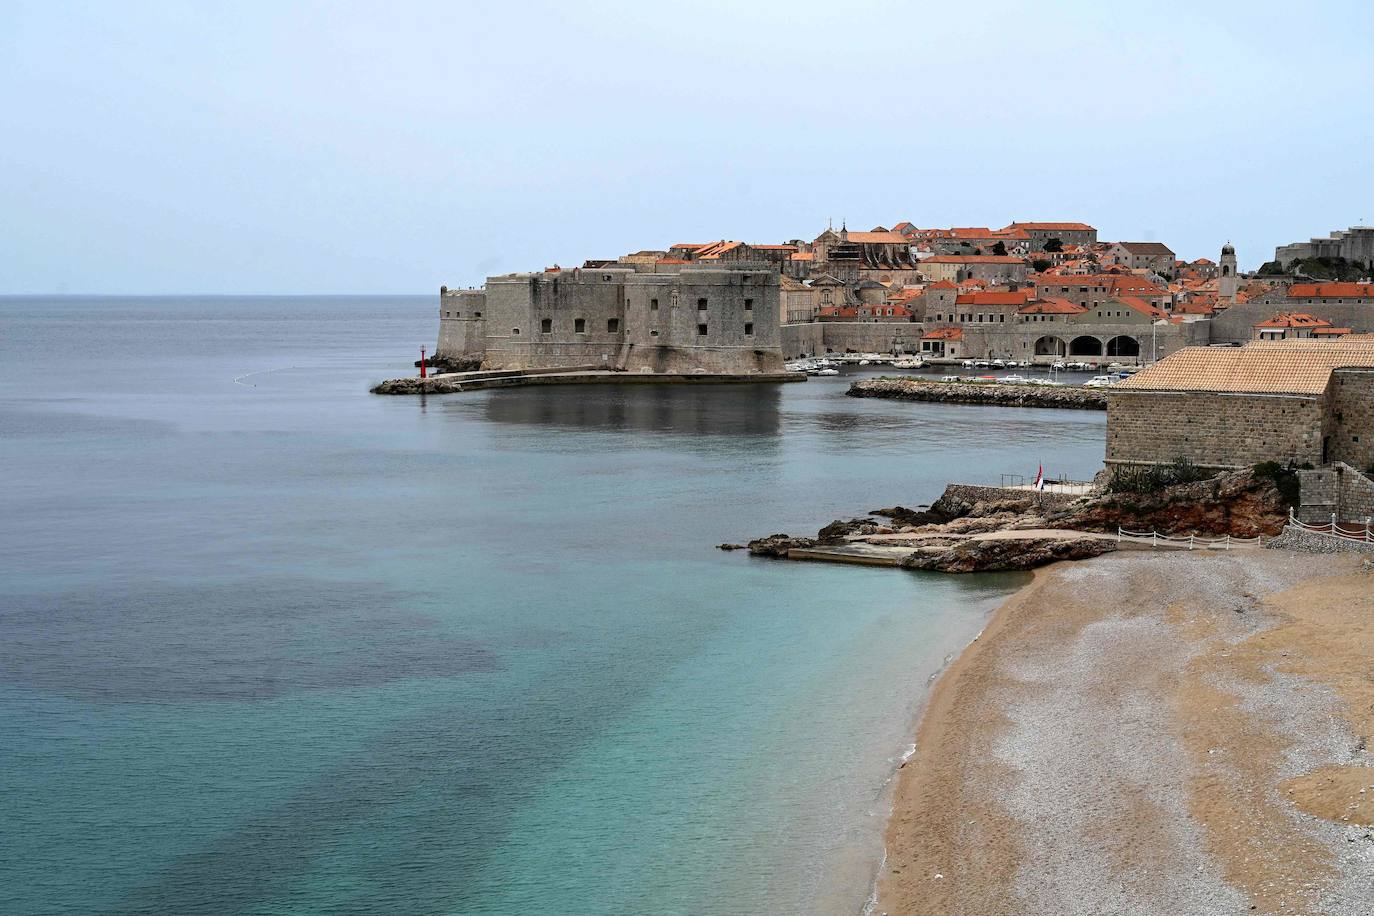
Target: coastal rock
1006 554
909 389
777 545
416 385
1240 504
728 546
912 518
838 530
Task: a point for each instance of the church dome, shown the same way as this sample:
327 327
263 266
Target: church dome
1228 249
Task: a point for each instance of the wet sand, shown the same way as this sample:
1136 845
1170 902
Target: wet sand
1172 733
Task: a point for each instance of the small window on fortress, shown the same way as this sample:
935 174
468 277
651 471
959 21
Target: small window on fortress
748 305
515 332
701 330
653 333
476 314
545 325
653 305
749 329
701 305
580 325
612 325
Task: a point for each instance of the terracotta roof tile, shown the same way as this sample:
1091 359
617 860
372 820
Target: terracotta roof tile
1260 367
1331 290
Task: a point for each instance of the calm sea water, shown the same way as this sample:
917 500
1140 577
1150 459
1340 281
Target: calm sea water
270 644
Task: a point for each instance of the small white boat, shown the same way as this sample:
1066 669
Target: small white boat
908 362
826 371
1059 366
1099 381
967 364
1012 379
865 362
949 378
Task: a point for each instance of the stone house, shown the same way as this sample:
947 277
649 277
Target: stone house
1066 233
797 302
1091 290
997 270
1297 326
1300 401
1152 256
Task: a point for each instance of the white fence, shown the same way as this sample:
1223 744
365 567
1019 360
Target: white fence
1191 542
1349 531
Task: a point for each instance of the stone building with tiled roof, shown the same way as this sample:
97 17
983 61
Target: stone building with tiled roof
1299 401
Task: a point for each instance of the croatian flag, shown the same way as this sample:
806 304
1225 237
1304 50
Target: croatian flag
1040 478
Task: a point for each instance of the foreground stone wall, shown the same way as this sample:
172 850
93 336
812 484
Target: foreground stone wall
1338 490
1352 417
1212 430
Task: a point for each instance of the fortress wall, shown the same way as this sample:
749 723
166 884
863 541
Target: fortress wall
737 310
1352 415
1237 323
1211 429
462 323
518 306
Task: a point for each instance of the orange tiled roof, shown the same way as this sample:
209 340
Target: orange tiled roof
1300 367
1331 290
802 256
972 259
1052 307
1294 320
877 238
983 297
1074 227
943 284
943 334
1145 308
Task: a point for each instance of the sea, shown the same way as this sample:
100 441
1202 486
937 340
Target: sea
270 644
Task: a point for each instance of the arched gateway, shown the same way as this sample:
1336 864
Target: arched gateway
1085 346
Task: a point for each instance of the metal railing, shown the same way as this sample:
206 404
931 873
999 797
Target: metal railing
1192 541
1334 529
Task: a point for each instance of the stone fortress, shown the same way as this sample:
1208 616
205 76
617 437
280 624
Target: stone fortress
717 320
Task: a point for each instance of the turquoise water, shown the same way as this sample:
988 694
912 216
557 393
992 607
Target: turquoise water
269 644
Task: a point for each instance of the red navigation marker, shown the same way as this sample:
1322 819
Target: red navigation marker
422 362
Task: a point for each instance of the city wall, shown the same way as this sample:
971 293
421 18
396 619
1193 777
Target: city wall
1212 429
1339 490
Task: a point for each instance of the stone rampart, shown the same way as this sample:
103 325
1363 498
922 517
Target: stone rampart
1211 429
1338 491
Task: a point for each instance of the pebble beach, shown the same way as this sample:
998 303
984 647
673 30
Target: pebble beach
1150 734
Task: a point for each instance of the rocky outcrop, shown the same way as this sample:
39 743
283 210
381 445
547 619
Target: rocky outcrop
415 385
1008 554
777 545
1239 504
909 389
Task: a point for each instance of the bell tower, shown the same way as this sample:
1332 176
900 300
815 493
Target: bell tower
1227 281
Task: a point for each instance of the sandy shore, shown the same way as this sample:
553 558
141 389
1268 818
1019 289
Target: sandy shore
1144 733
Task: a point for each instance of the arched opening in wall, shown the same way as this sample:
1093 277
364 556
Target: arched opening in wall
1085 346
1123 346
1050 346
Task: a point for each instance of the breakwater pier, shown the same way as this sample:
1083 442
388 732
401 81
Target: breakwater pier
991 393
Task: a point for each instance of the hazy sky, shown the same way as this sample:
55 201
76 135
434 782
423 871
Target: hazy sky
391 147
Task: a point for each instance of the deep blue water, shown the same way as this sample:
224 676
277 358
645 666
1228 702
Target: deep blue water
270 644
